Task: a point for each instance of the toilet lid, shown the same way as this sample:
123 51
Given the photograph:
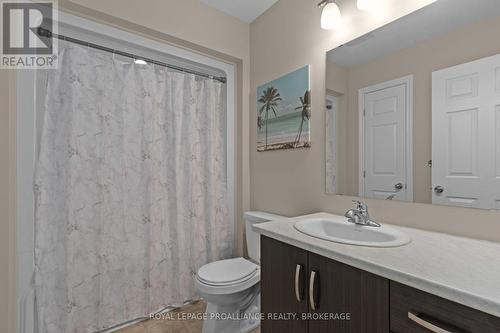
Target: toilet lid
227 271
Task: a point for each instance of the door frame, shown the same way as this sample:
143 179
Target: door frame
333 117
408 82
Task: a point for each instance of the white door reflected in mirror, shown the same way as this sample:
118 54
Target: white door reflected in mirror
385 112
466 134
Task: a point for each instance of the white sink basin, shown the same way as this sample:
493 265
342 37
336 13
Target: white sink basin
337 229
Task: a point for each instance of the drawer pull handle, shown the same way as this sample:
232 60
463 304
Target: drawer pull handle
312 281
298 294
431 327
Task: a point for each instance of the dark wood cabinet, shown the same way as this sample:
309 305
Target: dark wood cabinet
303 292
280 263
320 295
412 310
343 289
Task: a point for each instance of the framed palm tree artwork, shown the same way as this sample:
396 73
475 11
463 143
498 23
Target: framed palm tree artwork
284 112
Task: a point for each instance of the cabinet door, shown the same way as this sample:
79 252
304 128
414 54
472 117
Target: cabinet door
415 311
280 264
339 289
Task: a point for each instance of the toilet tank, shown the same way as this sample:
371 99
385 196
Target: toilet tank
252 237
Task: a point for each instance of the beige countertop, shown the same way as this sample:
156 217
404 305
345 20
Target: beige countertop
463 270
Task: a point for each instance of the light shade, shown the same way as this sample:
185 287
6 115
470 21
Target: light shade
368 4
330 17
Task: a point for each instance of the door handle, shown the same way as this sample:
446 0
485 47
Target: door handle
298 293
399 186
430 326
312 281
439 189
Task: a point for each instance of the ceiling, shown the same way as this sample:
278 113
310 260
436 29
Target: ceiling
245 10
437 19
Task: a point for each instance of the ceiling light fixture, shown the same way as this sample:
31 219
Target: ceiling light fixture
330 16
368 4
140 62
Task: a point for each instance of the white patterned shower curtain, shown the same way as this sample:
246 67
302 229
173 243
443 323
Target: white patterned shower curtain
131 191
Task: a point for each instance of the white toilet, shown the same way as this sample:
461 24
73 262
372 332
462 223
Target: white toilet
231 287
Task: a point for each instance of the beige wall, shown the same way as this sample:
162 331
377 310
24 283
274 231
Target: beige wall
4 194
7 205
466 44
292 182
186 23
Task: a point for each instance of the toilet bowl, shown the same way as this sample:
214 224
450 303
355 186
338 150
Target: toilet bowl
231 287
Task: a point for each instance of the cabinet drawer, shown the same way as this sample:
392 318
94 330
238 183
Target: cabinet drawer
434 312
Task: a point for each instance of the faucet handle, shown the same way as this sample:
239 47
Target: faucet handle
361 206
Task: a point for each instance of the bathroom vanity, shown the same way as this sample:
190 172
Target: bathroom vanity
437 283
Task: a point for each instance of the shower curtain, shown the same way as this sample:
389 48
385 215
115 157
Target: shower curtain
131 192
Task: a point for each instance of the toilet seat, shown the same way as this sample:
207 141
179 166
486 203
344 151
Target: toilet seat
227 276
225 272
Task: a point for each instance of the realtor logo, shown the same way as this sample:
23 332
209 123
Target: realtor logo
22 45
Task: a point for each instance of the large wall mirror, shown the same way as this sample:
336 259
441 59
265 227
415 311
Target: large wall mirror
413 108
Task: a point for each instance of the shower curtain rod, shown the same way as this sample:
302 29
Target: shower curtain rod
48 34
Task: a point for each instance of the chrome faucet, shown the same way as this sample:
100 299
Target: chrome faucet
360 215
